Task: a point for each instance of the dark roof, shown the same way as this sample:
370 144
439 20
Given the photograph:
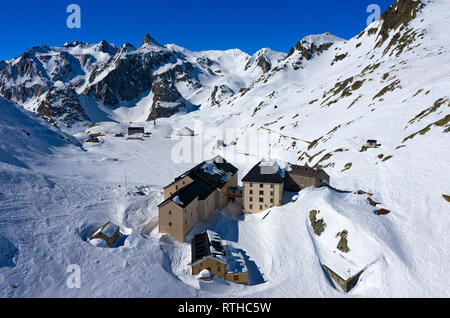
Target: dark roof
201 247
306 171
204 183
371 140
188 194
254 175
213 179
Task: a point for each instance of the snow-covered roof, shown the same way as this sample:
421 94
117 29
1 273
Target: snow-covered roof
99 243
110 229
235 261
185 132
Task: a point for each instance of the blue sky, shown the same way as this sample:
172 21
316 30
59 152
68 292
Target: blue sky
194 24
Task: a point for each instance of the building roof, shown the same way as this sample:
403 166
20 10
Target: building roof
207 177
188 194
254 175
306 171
215 172
207 244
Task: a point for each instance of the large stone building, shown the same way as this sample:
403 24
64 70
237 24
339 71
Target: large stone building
194 195
210 258
263 186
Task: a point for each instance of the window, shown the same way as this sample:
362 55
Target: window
250 206
185 222
261 200
261 207
261 185
236 277
183 182
251 191
271 200
176 187
218 269
250 199
271 186
251 185
271 193
261 192
170 224
170 212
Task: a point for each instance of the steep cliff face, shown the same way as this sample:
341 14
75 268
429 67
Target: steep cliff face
61 105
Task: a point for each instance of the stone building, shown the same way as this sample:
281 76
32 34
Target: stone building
194 195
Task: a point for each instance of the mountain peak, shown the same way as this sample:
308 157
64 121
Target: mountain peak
149 40
319 39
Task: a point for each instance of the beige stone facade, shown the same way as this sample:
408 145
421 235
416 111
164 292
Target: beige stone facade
176 186
214 266
257 197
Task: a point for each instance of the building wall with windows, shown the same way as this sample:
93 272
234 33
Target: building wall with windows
237 278
177 221
207 206
176 186
259 197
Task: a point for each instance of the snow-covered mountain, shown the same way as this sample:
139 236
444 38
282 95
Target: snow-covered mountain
81 82
320 103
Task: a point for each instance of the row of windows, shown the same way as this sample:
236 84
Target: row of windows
251 207
176 187
261 200
261 192
261 185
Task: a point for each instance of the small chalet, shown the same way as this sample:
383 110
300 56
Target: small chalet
371 143
185 132
135 130
107 233
300 177
210 258
343 279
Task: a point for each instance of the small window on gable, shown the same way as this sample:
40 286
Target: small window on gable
170 212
